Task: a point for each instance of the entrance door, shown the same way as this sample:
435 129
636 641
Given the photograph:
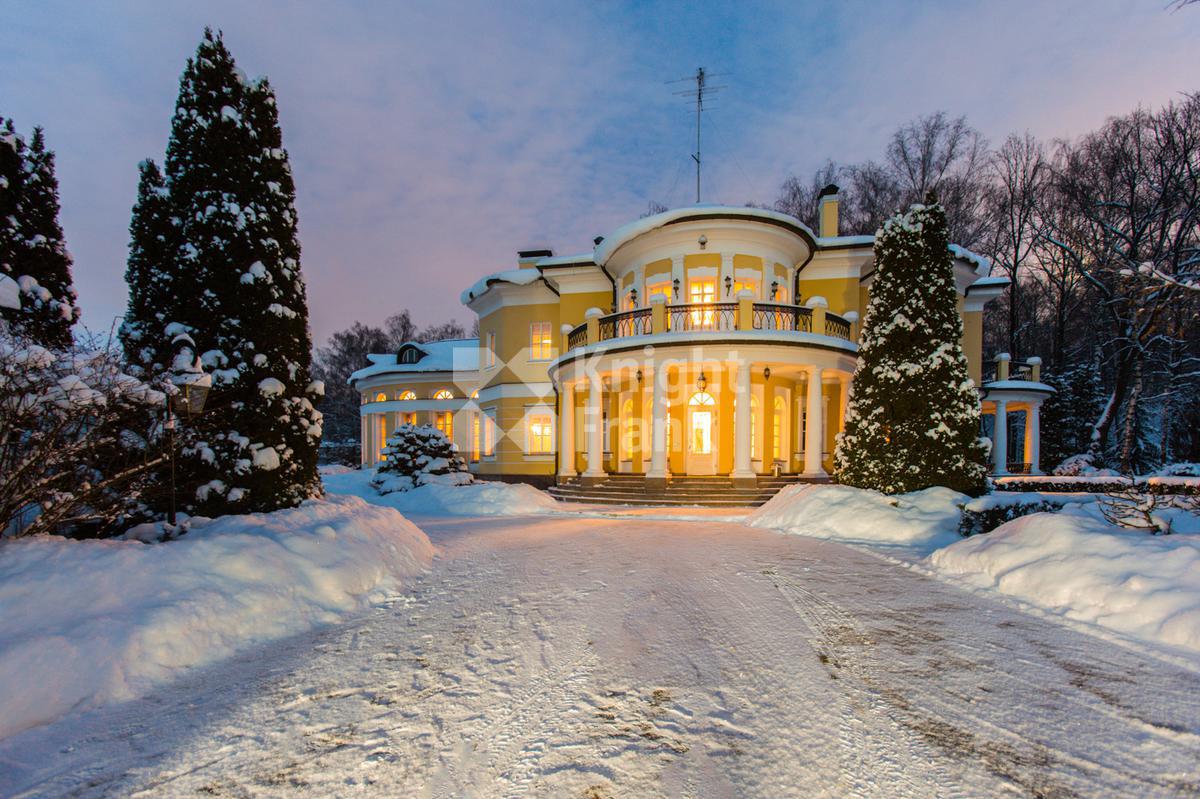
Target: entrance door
701 434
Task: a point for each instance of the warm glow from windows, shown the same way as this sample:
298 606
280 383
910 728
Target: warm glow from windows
752 285
541 434
381 397
408 418
629 431
444 394
444 421
407 395
777 429
702 292
663 288
541 348
474 436
489 436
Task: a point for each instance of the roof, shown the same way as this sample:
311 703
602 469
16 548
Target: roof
518 277
626 233
448 355
983 267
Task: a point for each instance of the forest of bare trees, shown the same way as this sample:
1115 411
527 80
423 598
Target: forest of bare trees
1100 236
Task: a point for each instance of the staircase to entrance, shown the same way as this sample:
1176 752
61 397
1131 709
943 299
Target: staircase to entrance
703 491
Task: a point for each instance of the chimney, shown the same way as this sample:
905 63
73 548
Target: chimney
827 212
527 259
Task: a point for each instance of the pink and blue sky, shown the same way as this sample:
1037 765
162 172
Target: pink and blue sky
431 141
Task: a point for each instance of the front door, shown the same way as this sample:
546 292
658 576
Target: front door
701 434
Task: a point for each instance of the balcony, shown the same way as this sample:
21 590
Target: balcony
711 317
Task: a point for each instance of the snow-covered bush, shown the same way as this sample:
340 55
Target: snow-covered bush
1135 509
1083 465
989 515
418 455
77 439
1179 470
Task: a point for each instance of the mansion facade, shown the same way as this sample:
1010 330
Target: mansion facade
705 340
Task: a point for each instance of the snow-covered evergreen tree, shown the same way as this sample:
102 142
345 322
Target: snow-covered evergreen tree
151 275
913 419
237 270
1067 415
34 252
417 455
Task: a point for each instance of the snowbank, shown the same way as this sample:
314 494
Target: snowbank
925 519
1075 564
86 623
442 499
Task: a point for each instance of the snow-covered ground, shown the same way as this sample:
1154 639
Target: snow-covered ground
577 656
88 623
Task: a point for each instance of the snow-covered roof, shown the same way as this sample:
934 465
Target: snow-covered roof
518 277
1018 385
565 260
626 233
983 267
847 241
989 282
449 355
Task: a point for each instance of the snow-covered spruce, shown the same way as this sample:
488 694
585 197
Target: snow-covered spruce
150 275
418 455
913 418
89 623
33 251
240 293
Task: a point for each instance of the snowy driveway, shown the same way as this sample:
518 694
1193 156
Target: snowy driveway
615 657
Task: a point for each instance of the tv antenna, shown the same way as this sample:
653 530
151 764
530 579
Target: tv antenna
698 95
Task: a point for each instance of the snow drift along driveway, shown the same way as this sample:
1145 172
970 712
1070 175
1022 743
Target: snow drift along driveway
86 623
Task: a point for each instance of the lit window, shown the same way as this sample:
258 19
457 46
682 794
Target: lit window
663 288
407 395
777 429
444 421
630 428
751 285
541 434
702 292
382 427
444 394
475 437
408 418
381 397
489 354
540 345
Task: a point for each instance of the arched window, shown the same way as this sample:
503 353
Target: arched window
407 394
381 397
702 398
444 394
777 428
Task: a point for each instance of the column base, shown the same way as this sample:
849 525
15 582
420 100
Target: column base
592 479
744 480
656 482
814 475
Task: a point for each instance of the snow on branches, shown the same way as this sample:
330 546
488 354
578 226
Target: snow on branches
419 455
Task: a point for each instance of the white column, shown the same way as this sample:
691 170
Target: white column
1033 438
595 427
726 272
1000 439
639 283
814 414
366 439
566 434
741 422
677 274
658 425
843 400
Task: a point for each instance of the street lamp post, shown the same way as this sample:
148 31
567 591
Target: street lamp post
187 389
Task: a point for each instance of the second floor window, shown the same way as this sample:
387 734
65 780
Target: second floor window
540 343
489 353
662 287
444 394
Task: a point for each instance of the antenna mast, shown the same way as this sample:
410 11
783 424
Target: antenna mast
699 94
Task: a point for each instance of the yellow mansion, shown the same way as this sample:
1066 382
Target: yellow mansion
701 341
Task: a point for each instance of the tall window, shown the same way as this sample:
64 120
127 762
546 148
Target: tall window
702 292
628 429
475 437
408 418
489 354
444 421
489 434
753 425
777 428
444 394
541 434
382 427
540 344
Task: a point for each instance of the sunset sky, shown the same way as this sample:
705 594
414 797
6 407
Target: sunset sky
432 141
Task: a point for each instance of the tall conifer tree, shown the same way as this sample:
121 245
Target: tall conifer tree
237 272
913 419
12 150
151 275
34 251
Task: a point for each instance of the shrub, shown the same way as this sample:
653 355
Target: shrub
986 519
417 455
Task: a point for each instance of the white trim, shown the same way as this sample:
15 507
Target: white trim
409 406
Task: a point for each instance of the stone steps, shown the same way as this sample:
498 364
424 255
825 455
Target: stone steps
714 491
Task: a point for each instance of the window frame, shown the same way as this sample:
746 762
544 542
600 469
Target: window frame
541 348
547 433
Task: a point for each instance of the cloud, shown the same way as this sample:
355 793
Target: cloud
430 142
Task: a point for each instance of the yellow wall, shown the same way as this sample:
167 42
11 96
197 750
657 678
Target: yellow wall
510 455
972 343
512 325
841 293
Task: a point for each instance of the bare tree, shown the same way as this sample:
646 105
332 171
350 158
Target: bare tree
799 198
